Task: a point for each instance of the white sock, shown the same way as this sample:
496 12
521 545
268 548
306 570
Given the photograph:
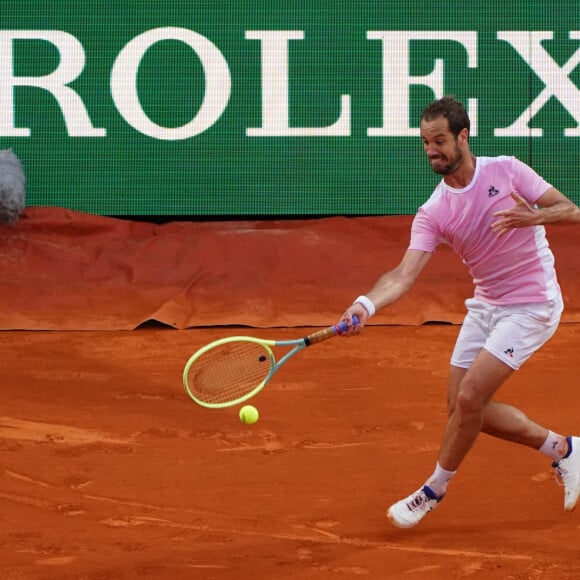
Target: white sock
555 446
439 480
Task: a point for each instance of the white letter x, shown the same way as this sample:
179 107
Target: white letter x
557 81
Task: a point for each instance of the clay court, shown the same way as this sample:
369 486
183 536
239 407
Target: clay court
109 470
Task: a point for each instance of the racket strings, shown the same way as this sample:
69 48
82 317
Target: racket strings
228 371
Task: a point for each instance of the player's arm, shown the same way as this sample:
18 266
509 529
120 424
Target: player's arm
553 207
389 287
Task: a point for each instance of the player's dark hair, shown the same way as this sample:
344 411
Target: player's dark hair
450 108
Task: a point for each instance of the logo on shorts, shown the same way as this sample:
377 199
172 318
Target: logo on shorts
492 191
509 352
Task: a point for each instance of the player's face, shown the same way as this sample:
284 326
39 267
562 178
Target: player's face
441 147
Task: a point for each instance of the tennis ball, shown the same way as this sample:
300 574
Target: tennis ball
249 414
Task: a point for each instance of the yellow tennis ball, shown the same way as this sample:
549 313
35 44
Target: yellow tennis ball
249 414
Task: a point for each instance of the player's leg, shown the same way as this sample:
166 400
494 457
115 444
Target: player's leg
475 388
512 335
470 342
511 424
500 419
488 328
526 329
517 333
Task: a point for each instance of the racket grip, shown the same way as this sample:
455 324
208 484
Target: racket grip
329 332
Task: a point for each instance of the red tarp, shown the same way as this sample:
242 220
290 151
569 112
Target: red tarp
66 270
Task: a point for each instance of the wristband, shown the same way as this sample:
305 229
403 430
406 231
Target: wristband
367 304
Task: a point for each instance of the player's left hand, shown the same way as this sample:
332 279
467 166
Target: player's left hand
521 215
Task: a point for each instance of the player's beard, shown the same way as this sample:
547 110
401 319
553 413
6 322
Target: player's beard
445 166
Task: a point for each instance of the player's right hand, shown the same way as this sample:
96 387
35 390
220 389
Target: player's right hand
359 311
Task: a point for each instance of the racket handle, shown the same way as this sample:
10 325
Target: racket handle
329 332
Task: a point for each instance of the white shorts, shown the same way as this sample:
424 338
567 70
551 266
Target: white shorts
510 333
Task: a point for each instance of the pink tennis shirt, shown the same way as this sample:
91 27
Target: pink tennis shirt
517 268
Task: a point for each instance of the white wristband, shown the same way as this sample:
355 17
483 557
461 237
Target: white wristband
367 304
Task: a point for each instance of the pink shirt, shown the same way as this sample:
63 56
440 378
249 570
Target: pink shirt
517 268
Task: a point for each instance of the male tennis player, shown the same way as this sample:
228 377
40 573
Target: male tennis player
491 211
12 187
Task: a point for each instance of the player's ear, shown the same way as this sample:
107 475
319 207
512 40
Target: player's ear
463 136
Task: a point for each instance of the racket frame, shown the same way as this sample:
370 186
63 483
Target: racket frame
298 344
266 344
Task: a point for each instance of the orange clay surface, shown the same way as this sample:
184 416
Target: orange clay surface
109 471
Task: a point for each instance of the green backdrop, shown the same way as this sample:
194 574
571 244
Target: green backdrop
269 107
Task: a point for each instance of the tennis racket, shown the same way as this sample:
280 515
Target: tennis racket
231 370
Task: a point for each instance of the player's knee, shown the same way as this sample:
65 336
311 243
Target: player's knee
469 403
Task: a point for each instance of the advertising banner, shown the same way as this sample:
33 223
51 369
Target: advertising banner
277 108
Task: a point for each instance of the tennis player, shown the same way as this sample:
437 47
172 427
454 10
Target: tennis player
491 211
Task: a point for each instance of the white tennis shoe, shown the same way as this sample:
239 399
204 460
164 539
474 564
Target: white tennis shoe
568 473
408 512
